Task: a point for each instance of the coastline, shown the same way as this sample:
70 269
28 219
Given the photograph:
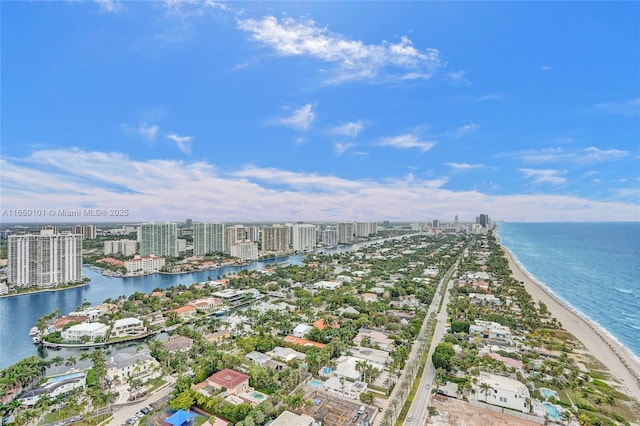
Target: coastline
45 290
623 366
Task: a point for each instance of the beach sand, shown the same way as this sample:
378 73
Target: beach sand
620 363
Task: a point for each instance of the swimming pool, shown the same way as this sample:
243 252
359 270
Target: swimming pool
66 377
315 383
257 396
552 410
548 393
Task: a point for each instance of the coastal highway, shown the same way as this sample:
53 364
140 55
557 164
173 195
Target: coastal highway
418 411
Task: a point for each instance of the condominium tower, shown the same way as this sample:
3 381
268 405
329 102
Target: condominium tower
158 239
304 237
45 260
208 238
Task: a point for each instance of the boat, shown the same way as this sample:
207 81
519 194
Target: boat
34 331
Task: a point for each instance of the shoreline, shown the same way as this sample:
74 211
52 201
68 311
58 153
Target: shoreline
621 363
45 290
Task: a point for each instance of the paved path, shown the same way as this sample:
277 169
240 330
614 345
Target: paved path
418 412
126 411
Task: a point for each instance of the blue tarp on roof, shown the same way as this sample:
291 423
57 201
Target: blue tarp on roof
179 418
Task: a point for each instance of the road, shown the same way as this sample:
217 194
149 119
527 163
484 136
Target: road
418 411
126 411
421 335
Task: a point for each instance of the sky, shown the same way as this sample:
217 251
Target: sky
320 111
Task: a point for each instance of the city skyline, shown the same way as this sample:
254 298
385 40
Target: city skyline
280 112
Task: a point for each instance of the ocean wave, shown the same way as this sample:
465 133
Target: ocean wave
623 290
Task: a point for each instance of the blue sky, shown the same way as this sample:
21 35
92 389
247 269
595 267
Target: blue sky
322 111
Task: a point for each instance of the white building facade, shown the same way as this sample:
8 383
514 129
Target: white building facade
45 260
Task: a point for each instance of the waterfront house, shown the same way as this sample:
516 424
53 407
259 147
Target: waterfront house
53 387
85 332
184 312
128 327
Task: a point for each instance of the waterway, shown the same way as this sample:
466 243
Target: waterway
19 313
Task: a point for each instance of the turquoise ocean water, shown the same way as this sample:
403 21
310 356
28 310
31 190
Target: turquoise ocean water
593 267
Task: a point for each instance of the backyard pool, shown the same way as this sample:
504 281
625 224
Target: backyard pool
554 414
66 377
315 383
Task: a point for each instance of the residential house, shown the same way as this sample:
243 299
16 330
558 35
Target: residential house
178 343
303 342
344 388
185 312
127 327
233 381
139 365
219 336
85 332
301 330
373 338
490 330
287 418
286 354
503 391
53 387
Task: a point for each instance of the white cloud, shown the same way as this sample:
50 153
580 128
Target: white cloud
464 166
588 155
146 131
300 119
629 107
464 129
165 189
543 176
354 60
111 6
546 68
341 148
350 129
407 141
183 142
491 97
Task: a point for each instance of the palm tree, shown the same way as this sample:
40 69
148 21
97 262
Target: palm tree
486 389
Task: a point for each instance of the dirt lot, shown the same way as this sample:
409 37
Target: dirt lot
459 413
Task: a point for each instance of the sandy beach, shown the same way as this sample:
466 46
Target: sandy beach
620 363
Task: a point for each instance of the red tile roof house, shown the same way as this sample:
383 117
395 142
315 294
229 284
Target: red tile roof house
184 312
233 381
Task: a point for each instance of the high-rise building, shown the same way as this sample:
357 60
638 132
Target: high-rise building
435 223
125 248
483 220
208 238
158 239
329 237
304 237
253 233
275 238
233 234
45 260
245 250
364 229
346 232
88 232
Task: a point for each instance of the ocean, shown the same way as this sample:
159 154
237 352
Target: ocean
593 267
